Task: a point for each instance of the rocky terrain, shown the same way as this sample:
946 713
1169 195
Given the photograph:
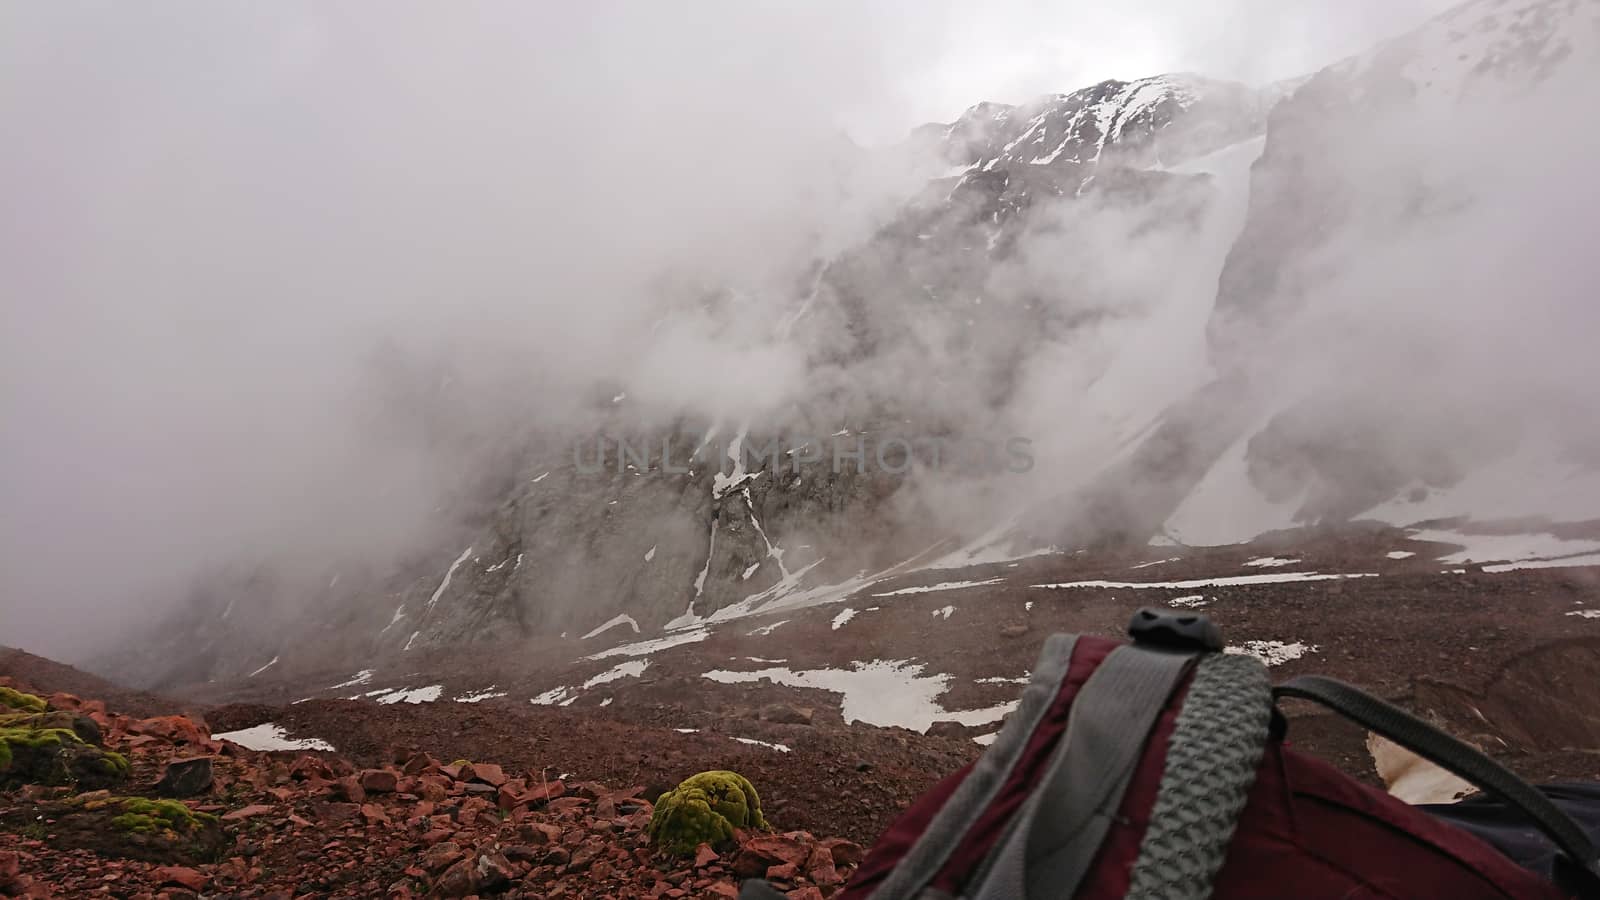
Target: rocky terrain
202 816
840 711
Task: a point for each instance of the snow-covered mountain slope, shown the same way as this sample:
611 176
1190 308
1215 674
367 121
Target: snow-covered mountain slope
1145 122
1392 327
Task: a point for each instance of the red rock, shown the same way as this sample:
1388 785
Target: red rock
782 872
757 854
436 835
434 787
492 873
348 788
508 799
10 866
308 767
704 856
566 804
335 812
721 889
182 876
844 853
441 856
248 812
549 790
374 814
806 893
488 773
540 833
457 881
452 771
420 764
825 874
378 781
177 729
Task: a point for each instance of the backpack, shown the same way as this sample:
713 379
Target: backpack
1157 769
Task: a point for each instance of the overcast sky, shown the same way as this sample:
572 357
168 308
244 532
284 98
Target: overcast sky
1016 49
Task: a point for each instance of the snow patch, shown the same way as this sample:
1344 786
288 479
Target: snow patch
942 586
842 618
1191 601
449 573
633 668
883 692
554 696
1506 547
755 743
1400 554
1270 562
269 736
488 693
413 695
263 668
644 648
945 611
1587 559
1274 578
1273 653
621 619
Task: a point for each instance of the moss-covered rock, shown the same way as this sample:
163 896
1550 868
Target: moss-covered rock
39 750
84 727
159 831
15 699
705 809
144 816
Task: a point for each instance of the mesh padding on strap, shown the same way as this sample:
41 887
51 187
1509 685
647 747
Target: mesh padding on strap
1216 745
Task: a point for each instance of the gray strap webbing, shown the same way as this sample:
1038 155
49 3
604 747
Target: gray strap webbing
979 789
1054 837
1212 756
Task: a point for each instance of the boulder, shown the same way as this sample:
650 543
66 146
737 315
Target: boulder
186 777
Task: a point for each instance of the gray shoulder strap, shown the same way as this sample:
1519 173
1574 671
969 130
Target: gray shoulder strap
979 789
1053 839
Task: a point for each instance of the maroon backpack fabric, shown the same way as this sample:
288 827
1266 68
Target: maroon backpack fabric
1306 830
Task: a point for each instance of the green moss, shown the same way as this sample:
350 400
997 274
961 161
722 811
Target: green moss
704 809
143 816
22 737
462 762
18 700
112 763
